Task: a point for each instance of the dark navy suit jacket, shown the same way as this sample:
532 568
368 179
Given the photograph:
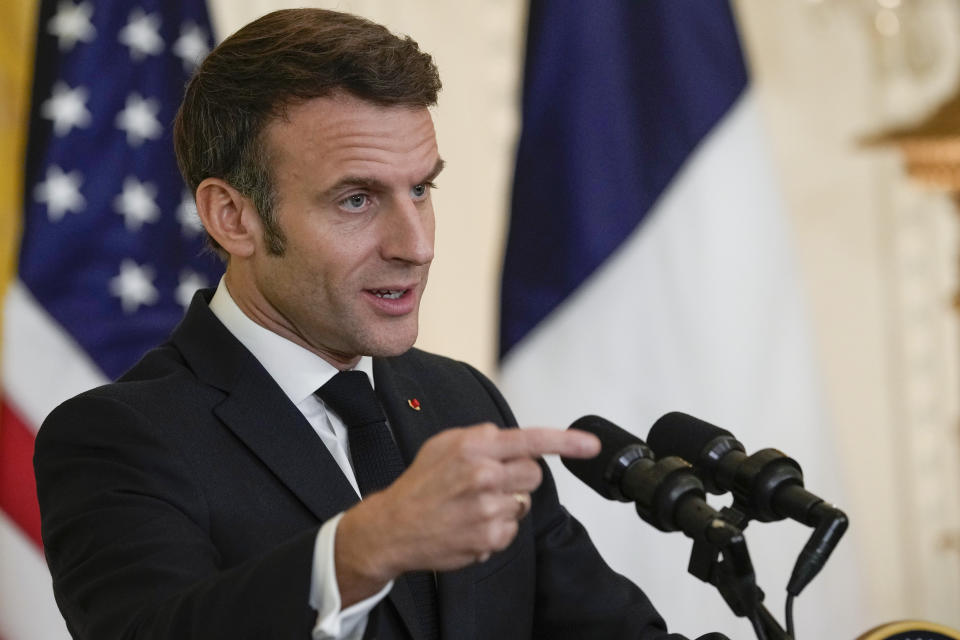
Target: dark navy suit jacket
183 502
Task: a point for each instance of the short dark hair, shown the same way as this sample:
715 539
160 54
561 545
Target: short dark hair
285 58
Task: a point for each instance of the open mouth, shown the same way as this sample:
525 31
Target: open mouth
389 294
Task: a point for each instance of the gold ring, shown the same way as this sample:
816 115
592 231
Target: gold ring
524 501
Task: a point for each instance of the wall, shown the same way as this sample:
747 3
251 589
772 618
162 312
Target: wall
878 253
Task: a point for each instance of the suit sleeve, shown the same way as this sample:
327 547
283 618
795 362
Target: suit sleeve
578 595
126 538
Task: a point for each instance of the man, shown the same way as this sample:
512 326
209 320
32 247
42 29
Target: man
212 492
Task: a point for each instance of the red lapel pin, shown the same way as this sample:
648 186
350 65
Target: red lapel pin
414 404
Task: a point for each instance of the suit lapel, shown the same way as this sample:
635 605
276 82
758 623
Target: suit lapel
410 428
256 410
410 412
262 416
410 407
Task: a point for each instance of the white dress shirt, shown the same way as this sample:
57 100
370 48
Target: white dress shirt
299 373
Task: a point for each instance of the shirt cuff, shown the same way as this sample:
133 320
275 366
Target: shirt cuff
332 623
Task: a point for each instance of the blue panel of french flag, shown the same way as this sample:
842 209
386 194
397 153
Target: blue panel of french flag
649 268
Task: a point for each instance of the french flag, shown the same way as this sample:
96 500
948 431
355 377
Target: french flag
649 268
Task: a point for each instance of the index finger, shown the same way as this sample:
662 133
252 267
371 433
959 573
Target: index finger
533 442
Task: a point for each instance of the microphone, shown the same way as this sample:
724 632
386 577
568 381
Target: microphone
669 496
667 493
766 486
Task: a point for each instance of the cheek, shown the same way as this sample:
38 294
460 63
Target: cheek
339 270
430 223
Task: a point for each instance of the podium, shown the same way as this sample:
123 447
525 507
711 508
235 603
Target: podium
911 630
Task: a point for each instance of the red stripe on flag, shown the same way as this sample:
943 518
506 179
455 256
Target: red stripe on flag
18 491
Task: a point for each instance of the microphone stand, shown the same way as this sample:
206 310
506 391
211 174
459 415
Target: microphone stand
670 497
721 559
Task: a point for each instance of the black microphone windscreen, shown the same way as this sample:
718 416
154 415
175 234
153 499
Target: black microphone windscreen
613 440
678 434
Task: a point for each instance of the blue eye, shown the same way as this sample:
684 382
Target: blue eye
355 202
419 191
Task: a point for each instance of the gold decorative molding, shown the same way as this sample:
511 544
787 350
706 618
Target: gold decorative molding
949 541
931 147
931 152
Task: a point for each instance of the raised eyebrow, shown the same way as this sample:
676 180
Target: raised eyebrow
372 184
355 182
437 168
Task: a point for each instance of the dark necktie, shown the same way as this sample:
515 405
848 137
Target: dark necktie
377 463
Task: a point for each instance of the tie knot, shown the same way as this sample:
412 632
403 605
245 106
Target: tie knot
350 395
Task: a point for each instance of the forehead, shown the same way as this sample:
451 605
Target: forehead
342 134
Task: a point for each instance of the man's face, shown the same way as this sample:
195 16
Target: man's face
353 184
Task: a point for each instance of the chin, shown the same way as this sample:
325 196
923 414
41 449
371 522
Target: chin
386 339
391 346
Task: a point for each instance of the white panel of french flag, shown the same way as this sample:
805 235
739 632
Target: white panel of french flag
650 269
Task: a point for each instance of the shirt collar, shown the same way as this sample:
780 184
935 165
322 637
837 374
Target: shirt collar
297 371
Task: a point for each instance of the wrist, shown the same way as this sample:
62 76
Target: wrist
363 552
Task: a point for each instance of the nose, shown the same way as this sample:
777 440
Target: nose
408 232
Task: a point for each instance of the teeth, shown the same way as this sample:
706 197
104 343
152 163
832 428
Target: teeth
388 293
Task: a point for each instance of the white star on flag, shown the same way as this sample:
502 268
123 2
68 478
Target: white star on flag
139 119
136 204
187 216
67 108
134 286
71 24
190 281
191 46
61 192
142 35
99 230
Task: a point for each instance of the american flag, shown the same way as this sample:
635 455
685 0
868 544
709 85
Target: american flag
112 249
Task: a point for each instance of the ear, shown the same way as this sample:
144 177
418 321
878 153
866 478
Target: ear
229 217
